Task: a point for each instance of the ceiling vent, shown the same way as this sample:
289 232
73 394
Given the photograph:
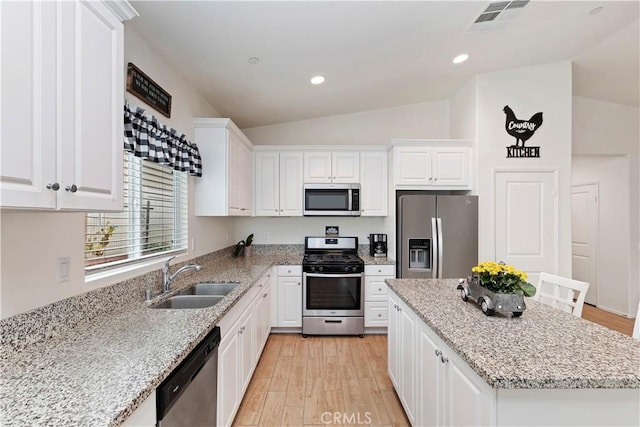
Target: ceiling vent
497 14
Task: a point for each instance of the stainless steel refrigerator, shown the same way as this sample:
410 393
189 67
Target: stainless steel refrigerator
436 235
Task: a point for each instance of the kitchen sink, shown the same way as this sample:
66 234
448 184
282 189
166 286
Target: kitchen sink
190 301
210 288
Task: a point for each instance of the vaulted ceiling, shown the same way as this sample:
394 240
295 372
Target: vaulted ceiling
381 54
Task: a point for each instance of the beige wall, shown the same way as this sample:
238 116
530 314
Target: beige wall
31 242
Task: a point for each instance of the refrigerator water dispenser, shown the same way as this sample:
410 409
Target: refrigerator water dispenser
420 254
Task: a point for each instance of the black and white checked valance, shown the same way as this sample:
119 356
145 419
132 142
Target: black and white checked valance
146 138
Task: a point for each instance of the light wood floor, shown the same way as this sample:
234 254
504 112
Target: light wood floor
319 381
610 320
305 381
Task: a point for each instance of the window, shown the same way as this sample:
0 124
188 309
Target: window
154 220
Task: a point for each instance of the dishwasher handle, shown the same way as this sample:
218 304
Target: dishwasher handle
174 385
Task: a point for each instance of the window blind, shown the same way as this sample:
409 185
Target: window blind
154 220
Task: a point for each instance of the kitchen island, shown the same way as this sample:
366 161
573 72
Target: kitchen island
453 365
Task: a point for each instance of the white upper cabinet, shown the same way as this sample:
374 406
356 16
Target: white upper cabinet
373 184
63 149
278 183
226 185
420 166
332 167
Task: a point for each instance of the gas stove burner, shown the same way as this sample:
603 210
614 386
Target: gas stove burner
332 255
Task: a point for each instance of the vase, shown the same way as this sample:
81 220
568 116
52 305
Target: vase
248 251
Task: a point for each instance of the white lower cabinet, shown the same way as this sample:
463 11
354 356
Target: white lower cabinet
435 386
375 296
402 326
244 329
290 296
263 316
449 392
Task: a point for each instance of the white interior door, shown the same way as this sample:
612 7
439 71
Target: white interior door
584 237
526 218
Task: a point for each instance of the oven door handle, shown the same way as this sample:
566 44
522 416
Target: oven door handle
334 275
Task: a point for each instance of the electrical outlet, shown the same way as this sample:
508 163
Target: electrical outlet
63 269
193 244
265 235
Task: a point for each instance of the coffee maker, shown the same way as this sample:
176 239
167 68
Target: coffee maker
378 245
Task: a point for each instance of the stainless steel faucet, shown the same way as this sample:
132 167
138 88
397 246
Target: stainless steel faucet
167 278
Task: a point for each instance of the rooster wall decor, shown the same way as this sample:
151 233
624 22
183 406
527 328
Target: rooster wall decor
521 130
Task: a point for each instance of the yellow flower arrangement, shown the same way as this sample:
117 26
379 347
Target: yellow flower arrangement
504 279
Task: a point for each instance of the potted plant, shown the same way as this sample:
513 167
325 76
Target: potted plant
497 287
244 246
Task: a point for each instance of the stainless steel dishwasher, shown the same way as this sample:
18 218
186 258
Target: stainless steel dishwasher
187 397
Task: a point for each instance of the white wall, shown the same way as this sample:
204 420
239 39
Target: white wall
464 111
601 130
292 230
613 258
545 88
376 127
31 242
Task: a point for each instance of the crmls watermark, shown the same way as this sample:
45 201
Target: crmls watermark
345 418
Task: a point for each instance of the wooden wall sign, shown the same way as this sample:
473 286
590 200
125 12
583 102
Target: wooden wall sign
521 130
139 84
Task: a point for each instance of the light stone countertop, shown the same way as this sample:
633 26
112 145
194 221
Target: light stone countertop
545 348
370 260
98 373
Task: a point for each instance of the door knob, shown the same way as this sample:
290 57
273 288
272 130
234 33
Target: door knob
55 186
72 188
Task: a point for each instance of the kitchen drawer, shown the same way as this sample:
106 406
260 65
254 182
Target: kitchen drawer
289 270
375 288
376 313
380 270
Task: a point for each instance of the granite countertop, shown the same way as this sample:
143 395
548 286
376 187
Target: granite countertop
370 260
545 348
98 373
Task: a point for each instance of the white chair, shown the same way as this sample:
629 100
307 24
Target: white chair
636 325
561 293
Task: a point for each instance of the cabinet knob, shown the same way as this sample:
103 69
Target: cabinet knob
430 178
298 283
443 359
379 315
435 179
438 352
265 295
55 186
71 188
379 289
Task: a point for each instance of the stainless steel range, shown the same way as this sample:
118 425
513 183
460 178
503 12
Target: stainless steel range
333 287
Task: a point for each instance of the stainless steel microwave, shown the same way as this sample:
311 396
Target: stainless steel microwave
331 200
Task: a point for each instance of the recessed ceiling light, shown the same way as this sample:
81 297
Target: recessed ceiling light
253 60
460 58
317 80
596 10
